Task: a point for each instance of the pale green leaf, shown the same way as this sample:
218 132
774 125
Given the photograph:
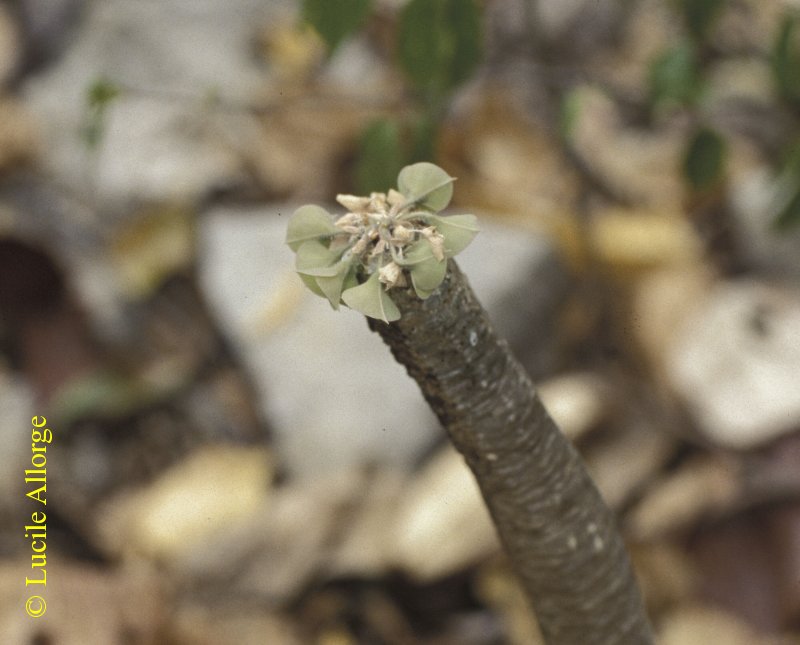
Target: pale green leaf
422 294
311 283
426 184
371 299
428 275
419 251
350 280
309 222
332 286
314 258
458 231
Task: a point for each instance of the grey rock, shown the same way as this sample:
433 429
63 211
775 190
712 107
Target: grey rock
735 360
16 410
48 27
161 140
753 201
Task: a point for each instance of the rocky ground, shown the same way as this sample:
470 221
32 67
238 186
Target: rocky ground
233 462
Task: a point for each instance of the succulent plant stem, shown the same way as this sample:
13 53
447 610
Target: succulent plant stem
555 527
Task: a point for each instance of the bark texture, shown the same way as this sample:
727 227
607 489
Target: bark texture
561 537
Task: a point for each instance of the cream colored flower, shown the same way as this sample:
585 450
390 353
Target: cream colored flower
402 235
353 203
437 242
390 274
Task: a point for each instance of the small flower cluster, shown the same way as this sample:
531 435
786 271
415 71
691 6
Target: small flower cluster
384 241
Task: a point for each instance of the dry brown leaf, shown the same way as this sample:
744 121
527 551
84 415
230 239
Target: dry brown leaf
365 547
627 459
642 165
442 502
661 301
509 167
206 493
499 588
157 243
699 625
666 575
196 624
701 487
632 240
19 136
83 604
294 51
578 402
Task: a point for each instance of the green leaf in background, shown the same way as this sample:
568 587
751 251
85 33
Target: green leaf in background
440 43
101 93
789 216
704 160
458 231
308 222
569 113
426 184
381 156
700 15
102 394
424 135
372 300
334 20
786 59
674 77
785 205
315 259
99 96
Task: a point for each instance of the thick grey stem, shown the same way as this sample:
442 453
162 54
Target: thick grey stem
561 537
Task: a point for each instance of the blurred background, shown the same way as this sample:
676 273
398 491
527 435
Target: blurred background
233 462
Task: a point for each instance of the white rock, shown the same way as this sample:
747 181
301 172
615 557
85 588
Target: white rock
754 197
699 489
332 390
735 361
577 402
442 524
642 450
367 548
212 489
278 548
162 141
698 625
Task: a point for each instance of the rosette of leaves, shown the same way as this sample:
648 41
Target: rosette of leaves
386 241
